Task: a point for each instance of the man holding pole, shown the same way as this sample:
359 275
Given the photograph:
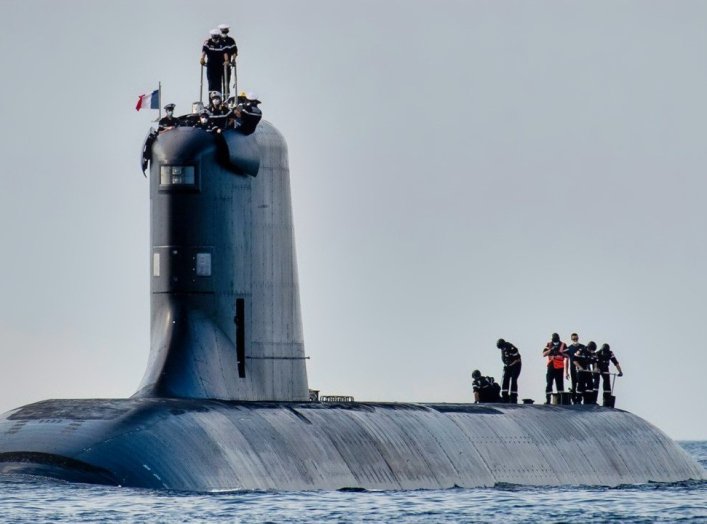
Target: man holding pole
604 356
214 56
231 49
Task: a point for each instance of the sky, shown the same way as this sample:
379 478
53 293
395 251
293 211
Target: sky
461 171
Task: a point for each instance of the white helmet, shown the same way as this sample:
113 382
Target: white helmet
252 97
223 28
215 32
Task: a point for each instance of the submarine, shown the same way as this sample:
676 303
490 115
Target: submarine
224 403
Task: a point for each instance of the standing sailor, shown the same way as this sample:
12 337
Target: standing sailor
571 351
231 49
556 365
604 356
584 360
511 370
214 57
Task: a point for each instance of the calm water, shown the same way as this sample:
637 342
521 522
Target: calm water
25 499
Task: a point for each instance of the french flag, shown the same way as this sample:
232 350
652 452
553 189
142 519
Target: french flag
151 101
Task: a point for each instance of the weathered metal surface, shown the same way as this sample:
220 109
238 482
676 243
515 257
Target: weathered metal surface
217 445
218 236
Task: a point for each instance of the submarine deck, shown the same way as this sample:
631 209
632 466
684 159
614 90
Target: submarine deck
207 445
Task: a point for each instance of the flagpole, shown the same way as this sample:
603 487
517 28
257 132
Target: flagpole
159 98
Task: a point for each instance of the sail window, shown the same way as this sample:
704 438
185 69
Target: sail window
177 176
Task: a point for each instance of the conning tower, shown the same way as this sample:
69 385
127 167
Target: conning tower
225 308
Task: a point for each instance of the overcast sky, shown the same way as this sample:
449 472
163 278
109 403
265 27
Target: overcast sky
461 171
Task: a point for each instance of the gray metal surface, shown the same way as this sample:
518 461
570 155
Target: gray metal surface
210 213
217 445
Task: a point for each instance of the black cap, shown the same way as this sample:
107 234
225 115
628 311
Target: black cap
592 345
500 343
476 374
555 337
605 347
169 107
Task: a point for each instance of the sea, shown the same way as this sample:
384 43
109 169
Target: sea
33 499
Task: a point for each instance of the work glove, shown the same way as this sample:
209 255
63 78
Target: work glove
202 61
621 373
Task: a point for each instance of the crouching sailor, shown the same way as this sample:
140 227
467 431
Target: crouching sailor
485 388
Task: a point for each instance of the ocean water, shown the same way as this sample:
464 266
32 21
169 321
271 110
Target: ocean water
28 499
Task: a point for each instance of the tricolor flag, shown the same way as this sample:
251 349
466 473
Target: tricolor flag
151 101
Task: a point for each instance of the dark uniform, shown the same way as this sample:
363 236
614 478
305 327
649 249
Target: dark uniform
205 123
555 353
511 370
219 114
215 58
218 110
168 120
486 387
231 49
571 351
604 356
229 45
249 116
584 358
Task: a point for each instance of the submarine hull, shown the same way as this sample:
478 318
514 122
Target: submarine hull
211 445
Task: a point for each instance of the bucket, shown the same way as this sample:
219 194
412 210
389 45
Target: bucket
563 399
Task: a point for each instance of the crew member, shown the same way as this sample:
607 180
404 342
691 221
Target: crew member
231 49
511 370
571 351
205 122
592 352
217 110
604 356
556 365
252 100
214 57
249 114
216 106
584 359
242 98
485 388
168 121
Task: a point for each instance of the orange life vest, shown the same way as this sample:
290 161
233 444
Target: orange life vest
557 361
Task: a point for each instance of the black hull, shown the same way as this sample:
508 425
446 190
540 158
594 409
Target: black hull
203 445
